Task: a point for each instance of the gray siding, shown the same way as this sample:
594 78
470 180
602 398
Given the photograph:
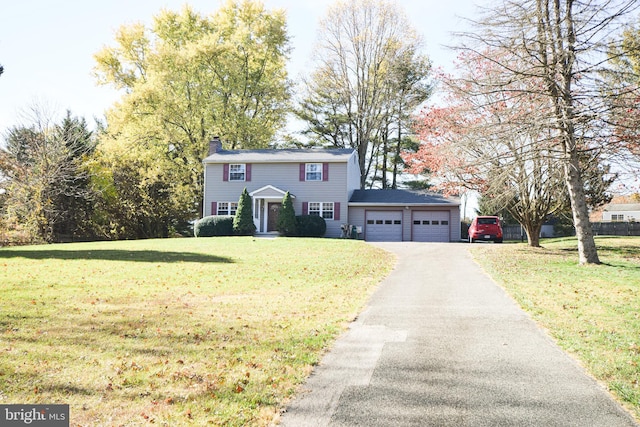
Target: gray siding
455 224
353 174
284 176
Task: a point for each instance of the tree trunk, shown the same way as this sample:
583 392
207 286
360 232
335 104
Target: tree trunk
385 155
533 233
587 250
394 184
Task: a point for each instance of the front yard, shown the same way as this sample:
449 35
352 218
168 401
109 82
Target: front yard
221 331
593 312
174 332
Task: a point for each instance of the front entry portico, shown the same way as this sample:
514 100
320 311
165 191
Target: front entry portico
266 207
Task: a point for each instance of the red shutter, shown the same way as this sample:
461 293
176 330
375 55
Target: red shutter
248 172
305 208
225 172
336 211
325 171
214 208
302 172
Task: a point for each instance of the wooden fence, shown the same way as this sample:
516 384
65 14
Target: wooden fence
514 232
616 228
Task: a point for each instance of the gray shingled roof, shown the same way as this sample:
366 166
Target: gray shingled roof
400 197
281 155
622 207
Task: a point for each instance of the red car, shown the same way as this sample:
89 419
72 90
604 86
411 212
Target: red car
485 228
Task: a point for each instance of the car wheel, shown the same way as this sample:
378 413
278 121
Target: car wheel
498 240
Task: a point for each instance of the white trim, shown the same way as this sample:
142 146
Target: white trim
307 172
228 210
269 187
375 205
262 203
322 209
204 193
244 172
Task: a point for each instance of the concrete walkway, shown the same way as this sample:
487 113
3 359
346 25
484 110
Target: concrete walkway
440 344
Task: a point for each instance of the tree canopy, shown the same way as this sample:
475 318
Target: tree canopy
623 84
555 49
48 194
368 80
185 79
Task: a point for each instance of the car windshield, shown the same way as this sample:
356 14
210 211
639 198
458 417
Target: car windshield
487 220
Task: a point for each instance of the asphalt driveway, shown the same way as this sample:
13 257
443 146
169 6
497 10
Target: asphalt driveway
440 344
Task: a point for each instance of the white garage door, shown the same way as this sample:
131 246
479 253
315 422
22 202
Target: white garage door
430 226
383 226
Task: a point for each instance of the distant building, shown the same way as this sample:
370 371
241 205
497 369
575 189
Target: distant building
621 212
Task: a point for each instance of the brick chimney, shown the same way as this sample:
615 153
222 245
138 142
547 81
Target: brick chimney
215 145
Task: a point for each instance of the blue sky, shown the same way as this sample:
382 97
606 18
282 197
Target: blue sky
47 46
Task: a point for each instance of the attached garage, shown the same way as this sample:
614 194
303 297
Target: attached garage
383 226
404 215
431 226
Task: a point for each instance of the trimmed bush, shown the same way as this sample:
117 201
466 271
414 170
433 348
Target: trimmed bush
310 226
287 218
216 225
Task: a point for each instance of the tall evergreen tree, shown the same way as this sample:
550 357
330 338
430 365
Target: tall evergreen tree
243 221
44 165
287 218
76 198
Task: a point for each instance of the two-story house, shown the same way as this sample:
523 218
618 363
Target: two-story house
324 182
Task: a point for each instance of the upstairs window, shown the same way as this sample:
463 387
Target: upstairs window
237 172
313 172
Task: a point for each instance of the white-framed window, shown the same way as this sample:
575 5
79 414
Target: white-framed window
323 209
313 172
227 208
617 217
237 172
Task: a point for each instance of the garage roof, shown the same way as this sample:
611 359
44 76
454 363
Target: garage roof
400 198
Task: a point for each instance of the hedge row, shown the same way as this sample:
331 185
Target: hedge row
219 225
310 226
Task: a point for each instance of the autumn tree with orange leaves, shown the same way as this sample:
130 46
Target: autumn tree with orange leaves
553 52
624 80
491 143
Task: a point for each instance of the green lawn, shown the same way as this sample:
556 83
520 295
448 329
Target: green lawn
220 331
215 331
593 312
